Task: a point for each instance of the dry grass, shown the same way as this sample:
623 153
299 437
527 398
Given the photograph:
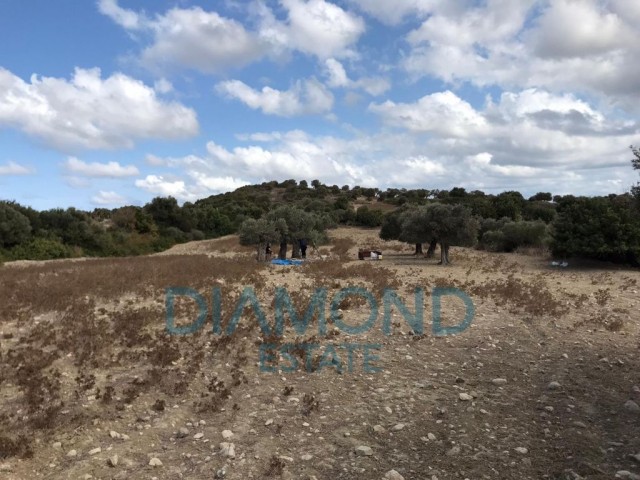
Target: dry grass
85 342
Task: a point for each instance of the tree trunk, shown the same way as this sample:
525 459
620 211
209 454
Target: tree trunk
444 254
295 249
418 249
262 252
431 252
282 254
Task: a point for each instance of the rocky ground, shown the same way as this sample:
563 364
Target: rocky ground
544 383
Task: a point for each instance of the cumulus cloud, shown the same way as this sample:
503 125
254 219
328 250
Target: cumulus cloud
89 112
337 78
201 40
76 166
122 16
531 128
393 12
444 113
208 42
305 97
13 168
586 46
110 198
321 28
576 29
157 184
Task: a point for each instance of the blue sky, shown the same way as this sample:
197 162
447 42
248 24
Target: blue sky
112 102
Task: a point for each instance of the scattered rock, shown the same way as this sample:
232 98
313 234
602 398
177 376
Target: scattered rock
628 475
221 473
453 451
379 429
114 434
465 397
57 445
431 437
113 461
198 435
182 433
306 457
635 457
631 406
228 449
363 450
521 450
227 434
72 453
554 386
579 424
155 462
95 451
268 422
499 381
393 475
571 475
398 427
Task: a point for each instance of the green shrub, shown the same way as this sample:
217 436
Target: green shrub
41 249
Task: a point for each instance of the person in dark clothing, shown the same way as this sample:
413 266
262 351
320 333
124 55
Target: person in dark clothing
268 251
303 247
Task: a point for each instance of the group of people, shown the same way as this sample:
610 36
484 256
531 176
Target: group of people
302 243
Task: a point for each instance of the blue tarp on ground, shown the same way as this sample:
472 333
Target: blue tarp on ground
277 261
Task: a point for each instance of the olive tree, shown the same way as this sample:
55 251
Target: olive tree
448 225
259 233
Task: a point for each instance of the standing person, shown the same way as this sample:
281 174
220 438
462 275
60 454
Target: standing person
303 247
268 252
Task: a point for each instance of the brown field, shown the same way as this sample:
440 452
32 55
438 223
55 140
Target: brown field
92 385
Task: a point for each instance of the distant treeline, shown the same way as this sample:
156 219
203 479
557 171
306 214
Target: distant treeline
605 228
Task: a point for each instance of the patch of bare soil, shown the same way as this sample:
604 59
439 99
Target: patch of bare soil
543 383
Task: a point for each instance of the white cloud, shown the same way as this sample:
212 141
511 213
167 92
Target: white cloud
213 184
443 113
585 46
90 112
337 77
123 17
201 40
305 97
190 38
481 164
13 168
575 29
108 198
208 42
157 184
76 166
392 12
321 28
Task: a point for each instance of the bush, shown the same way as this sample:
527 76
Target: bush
511 235
41 249
197 235
14 226
367 217
603 228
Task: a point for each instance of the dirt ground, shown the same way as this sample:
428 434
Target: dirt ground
543 384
